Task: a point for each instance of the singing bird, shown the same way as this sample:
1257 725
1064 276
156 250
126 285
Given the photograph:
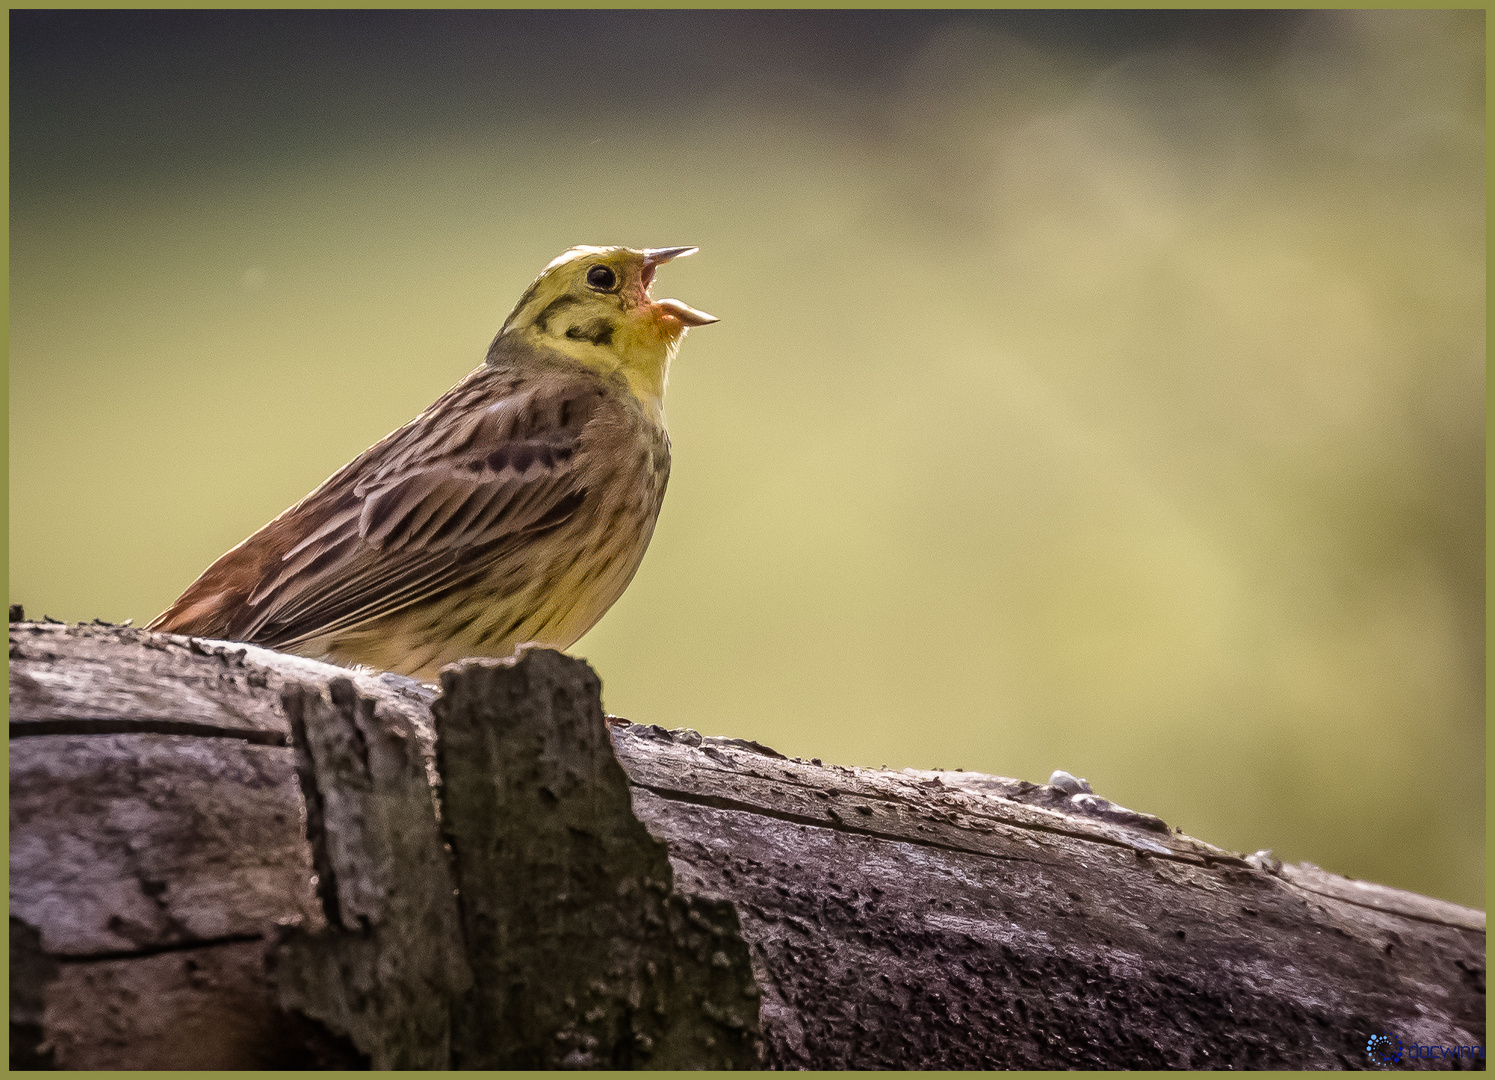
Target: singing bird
515 509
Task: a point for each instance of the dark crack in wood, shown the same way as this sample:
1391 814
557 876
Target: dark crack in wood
126 725
185 945
833 821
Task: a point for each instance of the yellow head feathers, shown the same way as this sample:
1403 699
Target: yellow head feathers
593 304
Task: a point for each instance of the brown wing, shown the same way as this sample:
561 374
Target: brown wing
491 465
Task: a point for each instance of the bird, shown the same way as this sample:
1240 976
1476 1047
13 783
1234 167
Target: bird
513 511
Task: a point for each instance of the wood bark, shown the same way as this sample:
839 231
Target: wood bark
226 857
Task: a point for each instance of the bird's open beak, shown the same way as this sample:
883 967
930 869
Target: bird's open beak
685 313
660 256
656 257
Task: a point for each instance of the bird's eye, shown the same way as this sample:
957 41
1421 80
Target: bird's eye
602 277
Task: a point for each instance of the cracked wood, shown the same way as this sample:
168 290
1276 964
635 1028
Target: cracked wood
951 920
161 850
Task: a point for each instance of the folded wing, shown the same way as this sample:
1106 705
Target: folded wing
488 469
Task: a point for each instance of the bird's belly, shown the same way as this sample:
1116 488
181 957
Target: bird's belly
549 598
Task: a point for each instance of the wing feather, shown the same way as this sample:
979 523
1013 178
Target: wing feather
428 515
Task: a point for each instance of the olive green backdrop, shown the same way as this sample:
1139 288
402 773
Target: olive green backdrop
1093 391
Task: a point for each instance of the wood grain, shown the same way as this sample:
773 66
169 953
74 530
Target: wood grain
264 849
1021 936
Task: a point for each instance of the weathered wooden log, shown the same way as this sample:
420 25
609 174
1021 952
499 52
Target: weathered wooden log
295 865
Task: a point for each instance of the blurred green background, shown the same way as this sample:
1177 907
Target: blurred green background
1101 391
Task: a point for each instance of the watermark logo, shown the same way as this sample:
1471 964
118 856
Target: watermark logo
1387 1049
1384 1049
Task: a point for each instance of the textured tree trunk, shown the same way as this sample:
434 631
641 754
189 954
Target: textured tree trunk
224 857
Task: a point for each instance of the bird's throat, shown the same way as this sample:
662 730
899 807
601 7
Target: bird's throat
640 353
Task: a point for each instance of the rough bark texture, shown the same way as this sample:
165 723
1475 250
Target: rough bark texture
226 857
959 921
590 959
386 966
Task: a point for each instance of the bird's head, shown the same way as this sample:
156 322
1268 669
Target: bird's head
593 304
